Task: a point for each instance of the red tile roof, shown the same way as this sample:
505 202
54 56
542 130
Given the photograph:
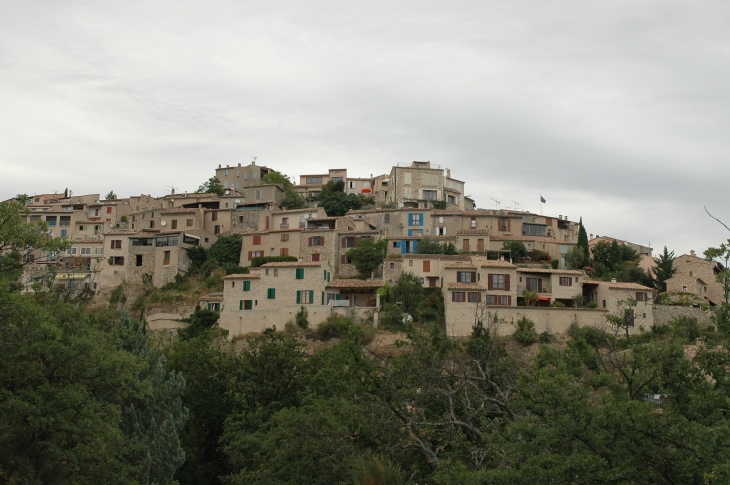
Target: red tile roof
239 276
490 263
355 283
465 286
550 271
292 265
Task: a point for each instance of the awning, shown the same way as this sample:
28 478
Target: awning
543 298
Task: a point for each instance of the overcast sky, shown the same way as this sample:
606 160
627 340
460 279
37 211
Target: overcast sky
613 111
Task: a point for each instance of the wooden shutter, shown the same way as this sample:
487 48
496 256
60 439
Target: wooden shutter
311 296
310 240
539 285
250 255
343 259
344 242
473 276
420 219
453 295
490 281
240 305
509 300
509 222
458 276
426 266
299 297
410 219
246 286
506 282
323 298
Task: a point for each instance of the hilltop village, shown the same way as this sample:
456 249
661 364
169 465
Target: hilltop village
298 258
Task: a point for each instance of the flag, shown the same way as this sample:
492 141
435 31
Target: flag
542 199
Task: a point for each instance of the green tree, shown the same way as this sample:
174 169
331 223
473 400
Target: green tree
577 258
111 195
335 201
292 199
429 246
408 293
582 237
211 186
22 242
367 256
517 249
663 270
227 250
199 322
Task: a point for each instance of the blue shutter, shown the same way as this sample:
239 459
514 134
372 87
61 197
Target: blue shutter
415 247
410 232
420 219
410 219
403 247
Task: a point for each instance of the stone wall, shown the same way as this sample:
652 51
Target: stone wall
243 322
664 313
557 321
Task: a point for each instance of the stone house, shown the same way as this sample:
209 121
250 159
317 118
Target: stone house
409 184
697 276
238 177
608 295
272 295
550 284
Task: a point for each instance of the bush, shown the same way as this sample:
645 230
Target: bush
686 329
117 295
236 270
557 304
373 470
525 333
335 327
555 263
545 338
261 260
592 304
302 317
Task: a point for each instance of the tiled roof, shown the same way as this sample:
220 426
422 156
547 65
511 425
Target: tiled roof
239 276
212 297
471 231
121 232
490 263
550 271
618 285
476 212
460 266
355 284
465 286
527 238
443 257
174 210
292 265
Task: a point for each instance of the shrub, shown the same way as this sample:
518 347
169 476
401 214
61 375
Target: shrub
261 260
592 304
236 270
373 470
117 295
525 333
334 327
545 338
555 263
302 317
557 304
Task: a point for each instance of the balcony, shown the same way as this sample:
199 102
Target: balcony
95 238
544 290
283 226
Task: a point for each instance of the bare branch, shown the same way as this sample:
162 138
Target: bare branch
718 220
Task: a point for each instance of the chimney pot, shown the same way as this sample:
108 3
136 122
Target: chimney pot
692 252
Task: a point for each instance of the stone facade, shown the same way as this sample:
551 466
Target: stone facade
697 276
551 284
254 306
609 295
664 313
238 177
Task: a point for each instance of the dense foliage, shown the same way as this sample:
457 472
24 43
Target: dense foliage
292 199
211 186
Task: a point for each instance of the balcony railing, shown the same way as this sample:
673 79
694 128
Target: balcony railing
283 226
545 289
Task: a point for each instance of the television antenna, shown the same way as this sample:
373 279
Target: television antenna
253 159
172 188
496 202
516 204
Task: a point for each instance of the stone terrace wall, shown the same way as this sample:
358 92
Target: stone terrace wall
664 313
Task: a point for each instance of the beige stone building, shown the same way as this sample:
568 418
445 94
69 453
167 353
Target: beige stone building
272 295
407 185
697 276
238 177
551 285
609 296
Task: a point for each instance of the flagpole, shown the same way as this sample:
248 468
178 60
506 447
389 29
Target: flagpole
541 204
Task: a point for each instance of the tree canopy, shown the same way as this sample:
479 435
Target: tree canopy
212 186
335 201
367 256
292 200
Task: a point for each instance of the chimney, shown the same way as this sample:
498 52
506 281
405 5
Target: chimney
560 217
692 252
613 280
448 172
239 164
219 165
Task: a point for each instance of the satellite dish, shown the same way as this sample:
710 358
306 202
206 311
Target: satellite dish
238 201
407 318
227 192
163 223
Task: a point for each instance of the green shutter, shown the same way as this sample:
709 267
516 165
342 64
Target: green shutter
325 275
246 286
299 297
311 296
240 305
300 273
323 298
338 296
271 293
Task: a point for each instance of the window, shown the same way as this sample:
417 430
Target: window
255 175
344 259
98 250
139 259
189 222
285 237
337 179
305 297
410 262
684 288
72 251
245 175
300 273
315 257
276 272
348 242
51 221
534 284
271 293
392 265
247 285
385 183
245 305
257 240
415 219
174 224
108 210
193 241
466 276
691 273
451 199
458 296
81 228
566 281
499 300
474 297
166 259
85 251
167 241
386 218
498 282
316 241
116 261
214 216
350 184
441 231
216 229
254 254
116 244
284 251
504 225
641 296
314 180
430 194
142 242
426 266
